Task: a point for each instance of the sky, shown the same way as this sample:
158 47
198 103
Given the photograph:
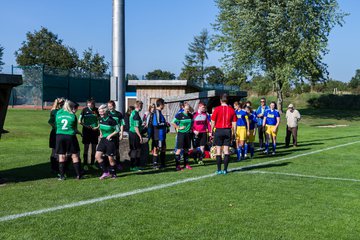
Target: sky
157 31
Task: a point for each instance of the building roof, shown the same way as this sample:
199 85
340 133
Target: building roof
148 83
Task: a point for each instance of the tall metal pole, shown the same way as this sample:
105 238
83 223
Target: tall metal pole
117 85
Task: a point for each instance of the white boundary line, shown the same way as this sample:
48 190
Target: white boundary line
156 187
304 176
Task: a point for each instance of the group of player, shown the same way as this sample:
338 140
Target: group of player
104 127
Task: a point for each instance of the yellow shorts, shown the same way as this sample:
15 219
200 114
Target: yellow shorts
269 129
241 133
251 137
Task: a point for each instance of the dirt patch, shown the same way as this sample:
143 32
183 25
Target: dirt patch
332 126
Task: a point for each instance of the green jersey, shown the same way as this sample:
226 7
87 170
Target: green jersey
89 117
185 121
108 125
66 123
118 117
135 121
52 118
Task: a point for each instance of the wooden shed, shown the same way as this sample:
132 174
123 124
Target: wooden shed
176 91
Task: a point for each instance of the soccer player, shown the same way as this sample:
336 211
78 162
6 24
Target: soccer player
224 120
66 141
109 130
89 120
119 118
252 126
181 110
135 138
270 123
260 111
183 124
242 129
157 123
201 129
58 104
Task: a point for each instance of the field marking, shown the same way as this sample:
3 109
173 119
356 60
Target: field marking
156 187
304 176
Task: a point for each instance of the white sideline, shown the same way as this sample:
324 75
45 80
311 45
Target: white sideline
304 176
157 187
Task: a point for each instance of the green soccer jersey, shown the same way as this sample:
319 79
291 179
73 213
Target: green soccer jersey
185 121
118 117
66 123
108 125
135 121
52 118
89 117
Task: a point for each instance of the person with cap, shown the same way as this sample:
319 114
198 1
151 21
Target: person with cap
292 118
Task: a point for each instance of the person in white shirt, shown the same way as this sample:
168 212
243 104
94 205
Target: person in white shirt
292 118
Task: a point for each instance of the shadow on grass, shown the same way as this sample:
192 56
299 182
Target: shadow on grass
317 141
270 165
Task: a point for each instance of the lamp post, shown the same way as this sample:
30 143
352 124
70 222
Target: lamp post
117 85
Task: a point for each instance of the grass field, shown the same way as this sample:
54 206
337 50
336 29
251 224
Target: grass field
309 192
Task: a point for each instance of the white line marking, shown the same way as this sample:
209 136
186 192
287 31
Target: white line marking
157 187
304 176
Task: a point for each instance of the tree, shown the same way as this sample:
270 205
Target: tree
1 56
45 48
214 75
194 66
355 81
92 63
131 77
286 39
160 75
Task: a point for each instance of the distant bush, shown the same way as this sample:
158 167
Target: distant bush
331 101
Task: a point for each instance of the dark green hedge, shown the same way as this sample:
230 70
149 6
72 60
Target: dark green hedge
331 101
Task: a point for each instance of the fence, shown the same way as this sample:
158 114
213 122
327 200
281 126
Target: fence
44 84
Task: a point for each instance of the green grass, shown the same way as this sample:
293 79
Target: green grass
237 206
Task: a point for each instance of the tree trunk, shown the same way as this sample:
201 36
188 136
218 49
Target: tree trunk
279 95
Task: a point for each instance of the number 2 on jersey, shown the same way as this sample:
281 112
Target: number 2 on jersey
65 123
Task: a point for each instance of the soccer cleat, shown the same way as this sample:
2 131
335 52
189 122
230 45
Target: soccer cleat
245 156
188 167
104 175
178 168
273 153
61 178
224 172
218 172
201 163
113 176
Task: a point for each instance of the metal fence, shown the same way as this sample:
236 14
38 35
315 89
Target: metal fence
44 84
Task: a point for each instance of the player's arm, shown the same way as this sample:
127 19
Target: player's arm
175 123
117 129
247 125
264 121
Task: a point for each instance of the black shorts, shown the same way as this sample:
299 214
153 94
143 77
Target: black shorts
134 141
90 136
200 140
222 137
183 140
52 139
161 144
116 141
67 144
106 147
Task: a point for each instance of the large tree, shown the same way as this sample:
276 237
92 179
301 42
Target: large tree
1 56
285 39
92 63
45 48
355 81
194 65
160 75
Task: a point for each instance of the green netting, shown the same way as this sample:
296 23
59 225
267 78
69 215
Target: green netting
45 84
